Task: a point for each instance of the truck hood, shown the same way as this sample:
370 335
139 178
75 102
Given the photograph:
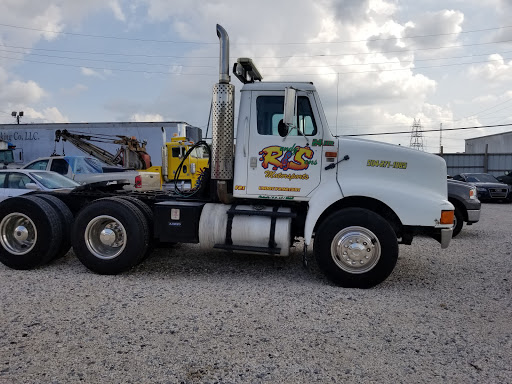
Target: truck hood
411 182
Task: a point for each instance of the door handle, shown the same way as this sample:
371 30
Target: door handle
246 133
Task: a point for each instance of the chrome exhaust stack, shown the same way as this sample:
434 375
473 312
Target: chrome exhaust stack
223 117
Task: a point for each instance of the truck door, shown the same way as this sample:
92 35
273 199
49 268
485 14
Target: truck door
3 192
280 165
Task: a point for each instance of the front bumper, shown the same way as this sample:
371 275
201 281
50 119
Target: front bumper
441 235
473 216
445 237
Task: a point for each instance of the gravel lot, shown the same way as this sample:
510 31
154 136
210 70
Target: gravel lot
199 317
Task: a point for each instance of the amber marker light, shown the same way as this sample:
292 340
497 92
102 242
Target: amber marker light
331 154
446 217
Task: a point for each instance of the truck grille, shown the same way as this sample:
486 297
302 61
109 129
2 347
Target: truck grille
498 193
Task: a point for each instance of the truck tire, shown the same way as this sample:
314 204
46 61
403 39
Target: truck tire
110 236
30 232
66 221
148 215
458 221
356 248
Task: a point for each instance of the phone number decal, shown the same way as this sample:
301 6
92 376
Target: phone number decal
386 164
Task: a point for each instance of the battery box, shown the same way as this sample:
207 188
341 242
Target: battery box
177 221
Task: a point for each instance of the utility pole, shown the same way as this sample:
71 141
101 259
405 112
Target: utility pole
416 136
441 138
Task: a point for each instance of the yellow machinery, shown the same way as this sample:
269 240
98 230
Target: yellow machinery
173 154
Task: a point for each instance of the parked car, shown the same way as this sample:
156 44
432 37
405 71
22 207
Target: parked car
506 178
15 182
86 170
467 206
487 186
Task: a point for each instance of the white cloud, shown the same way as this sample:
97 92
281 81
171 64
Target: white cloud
117 10
19 92
75 90
47 115
102 74
441 28
146 117
496 70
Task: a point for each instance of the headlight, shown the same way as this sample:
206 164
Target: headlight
472 193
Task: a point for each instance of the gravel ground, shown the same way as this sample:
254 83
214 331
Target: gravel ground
187 316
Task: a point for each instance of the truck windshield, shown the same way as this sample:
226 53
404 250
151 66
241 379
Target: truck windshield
6 157
81 165
483 178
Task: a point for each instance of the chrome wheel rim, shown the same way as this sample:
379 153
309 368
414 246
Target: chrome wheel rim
355 249
18 233
105 237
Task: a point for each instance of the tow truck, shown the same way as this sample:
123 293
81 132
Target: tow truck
288 180
7 158
177 170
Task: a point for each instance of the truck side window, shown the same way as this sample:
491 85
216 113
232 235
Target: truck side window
60 166
177 152
270 112
2 179
41 164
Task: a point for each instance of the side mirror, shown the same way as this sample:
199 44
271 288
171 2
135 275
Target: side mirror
32 186
290 107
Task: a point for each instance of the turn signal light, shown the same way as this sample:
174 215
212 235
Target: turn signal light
331 154
446 217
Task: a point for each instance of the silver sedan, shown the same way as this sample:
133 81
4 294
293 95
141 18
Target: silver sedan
15 182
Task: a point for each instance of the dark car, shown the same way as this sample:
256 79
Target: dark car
506 178
487 186
467 206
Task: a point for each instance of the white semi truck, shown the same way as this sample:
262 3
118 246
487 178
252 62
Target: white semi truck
287 179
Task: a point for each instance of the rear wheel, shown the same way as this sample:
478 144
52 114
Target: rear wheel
66 222
30 232
356 248
110 236
148 216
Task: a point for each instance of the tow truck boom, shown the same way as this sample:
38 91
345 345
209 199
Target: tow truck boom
131 154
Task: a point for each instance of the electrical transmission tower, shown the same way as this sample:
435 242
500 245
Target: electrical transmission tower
416 136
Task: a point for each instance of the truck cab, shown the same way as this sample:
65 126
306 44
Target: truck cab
306 163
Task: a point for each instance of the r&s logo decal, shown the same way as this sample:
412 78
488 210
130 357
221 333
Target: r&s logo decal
294 158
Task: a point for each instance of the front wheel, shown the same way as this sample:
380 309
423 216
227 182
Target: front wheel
356 248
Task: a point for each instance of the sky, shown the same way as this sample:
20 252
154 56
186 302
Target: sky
378 65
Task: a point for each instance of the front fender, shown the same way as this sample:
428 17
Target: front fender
321 199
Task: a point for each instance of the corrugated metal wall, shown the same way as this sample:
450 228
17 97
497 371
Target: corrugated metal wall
498 143
496 163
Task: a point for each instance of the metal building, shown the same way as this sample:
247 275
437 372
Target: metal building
38 140
497 143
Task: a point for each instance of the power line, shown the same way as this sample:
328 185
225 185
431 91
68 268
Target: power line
108 69
208 74
268 57
260 43
287 67
105 61
430 130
